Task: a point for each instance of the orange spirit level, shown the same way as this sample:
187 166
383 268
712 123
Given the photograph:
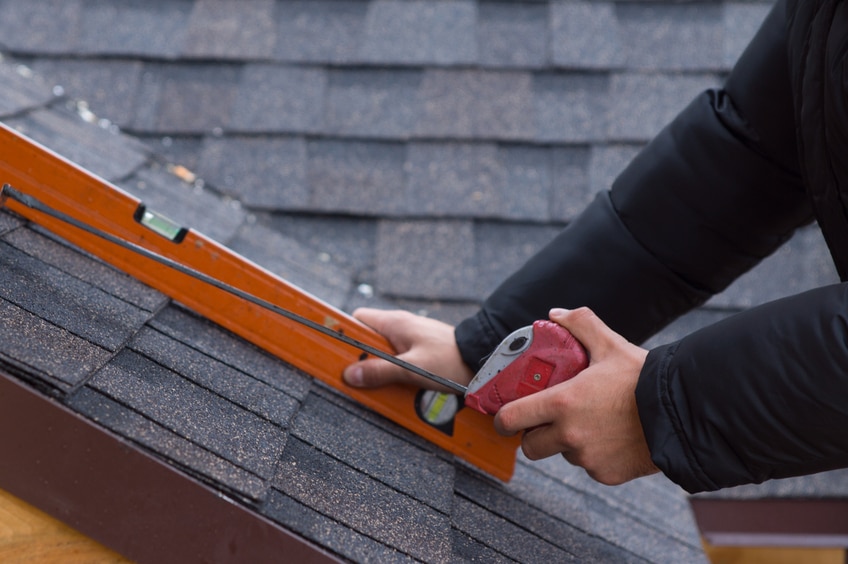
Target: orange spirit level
73 191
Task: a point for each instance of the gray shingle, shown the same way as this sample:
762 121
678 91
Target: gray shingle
801 264
185 98
607 162
584 35
260 172
570 108
192 412
641 105
347 240
572 188
370 449
306 268
9 221
21 91
373 103
510 35
648 517
505 537
501 249
476 103
280 99
129 27
45 26
426 259
183 151
86 311
467 549
356 177
561 529
420 31
215 342
685 325
237 386
319 30
671 36
224 29
148 433
35 346
526 193
741 22
107 154
329 532
44 246
189 205
455 179
108 86
362 503
479 180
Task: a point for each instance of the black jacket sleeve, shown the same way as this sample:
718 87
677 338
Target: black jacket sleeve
717 190
757 396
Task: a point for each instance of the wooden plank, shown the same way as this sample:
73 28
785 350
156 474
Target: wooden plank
772 555
29 535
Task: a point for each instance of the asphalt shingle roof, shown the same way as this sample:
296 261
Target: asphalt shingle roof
384 152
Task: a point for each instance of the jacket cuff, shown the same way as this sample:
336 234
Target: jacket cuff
660 415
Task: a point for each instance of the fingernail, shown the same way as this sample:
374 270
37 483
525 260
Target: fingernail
353 376
557 311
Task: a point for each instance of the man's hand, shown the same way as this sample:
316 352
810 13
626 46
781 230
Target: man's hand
591 419
422 341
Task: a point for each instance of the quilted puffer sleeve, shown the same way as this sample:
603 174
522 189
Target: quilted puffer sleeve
757 396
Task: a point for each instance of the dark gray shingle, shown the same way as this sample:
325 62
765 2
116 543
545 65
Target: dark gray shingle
224 29
319 30
192 412
362 503
584 35
86 311
365 178
425 259
280 99
261 172
108 86
146 432
33 345
21 91
420 31
215 342
510 35
370 448
44 246
132 28
671 36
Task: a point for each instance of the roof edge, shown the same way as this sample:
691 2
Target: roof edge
110 490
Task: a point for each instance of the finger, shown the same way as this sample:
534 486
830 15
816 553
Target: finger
388 323
542 442
531 411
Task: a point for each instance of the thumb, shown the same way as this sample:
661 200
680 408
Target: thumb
372 373
587 328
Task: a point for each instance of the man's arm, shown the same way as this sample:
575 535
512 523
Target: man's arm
714 193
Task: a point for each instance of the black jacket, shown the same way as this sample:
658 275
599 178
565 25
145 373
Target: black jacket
763 394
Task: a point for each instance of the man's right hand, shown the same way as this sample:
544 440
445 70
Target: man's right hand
421 341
